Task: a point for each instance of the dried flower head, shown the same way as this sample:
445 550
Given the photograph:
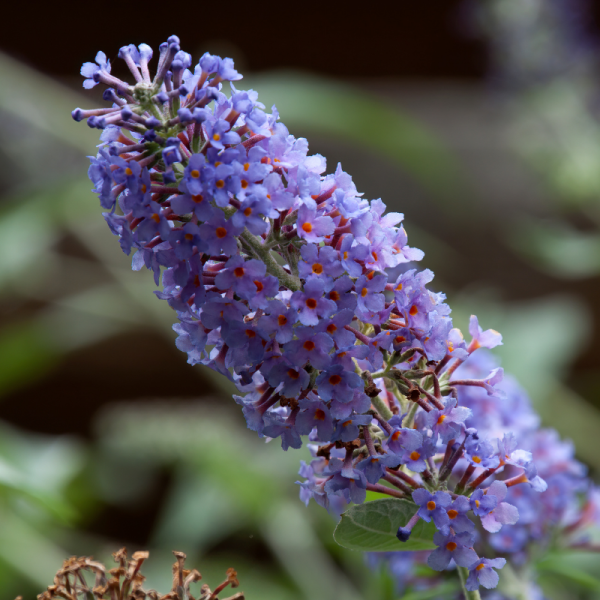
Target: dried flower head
83 579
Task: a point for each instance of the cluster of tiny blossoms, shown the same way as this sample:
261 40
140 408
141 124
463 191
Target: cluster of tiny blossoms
281 280
566 509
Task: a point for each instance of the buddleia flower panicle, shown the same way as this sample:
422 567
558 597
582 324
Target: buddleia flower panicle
285 280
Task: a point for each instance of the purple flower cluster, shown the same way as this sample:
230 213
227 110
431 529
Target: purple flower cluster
569 502
280 278
515 519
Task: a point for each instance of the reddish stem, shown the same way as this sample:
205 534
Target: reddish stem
383 489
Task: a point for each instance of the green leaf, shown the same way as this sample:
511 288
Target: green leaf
372 527
444 590
28 551
580 568
26 354
557 248
556 567
19 95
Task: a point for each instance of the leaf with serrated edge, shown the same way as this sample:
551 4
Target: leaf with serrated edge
372 527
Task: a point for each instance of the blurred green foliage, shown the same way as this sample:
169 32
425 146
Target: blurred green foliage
545 57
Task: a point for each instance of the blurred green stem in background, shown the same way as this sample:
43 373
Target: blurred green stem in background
463 573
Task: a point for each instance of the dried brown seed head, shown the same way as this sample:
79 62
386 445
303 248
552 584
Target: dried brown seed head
140 555
232 578
120 556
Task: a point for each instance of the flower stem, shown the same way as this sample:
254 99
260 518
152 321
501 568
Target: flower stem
291 282
383 489
410 417
463 573
382 408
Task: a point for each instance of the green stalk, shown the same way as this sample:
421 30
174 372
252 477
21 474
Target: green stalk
463 573
378 375
402 400
382 408
410 417
273 267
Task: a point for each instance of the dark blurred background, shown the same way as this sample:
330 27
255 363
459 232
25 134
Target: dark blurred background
478 121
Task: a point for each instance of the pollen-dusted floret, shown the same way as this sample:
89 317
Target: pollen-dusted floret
374 466
481 572
311 304
335 383
403 439
482 339
319 261
433 506
311 227
457 547
315 414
